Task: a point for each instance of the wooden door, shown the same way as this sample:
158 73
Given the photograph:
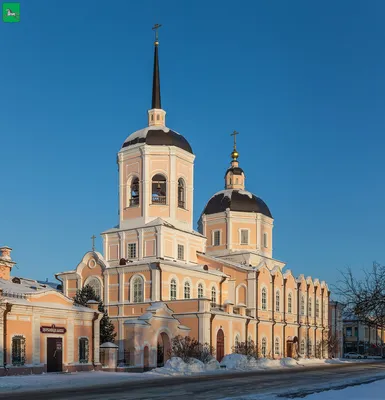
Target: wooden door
54 355
289 349
220 345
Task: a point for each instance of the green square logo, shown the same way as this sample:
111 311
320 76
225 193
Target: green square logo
11 12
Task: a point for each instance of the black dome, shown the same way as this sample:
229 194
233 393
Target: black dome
236 200
235 171
158 136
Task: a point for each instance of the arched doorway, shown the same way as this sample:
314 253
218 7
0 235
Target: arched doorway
163 349
292 347
146 358
220 345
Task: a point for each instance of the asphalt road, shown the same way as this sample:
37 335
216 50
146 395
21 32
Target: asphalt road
212 387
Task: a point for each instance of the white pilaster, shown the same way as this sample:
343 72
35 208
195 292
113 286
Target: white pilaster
97 339
70 341
36 339
106 299
231 289
172 185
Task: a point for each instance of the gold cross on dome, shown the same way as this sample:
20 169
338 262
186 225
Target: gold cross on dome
93 237
155 28
235 133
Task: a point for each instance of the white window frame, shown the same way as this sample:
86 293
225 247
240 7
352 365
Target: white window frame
213 291
264 303
128 250
303 305
185 285
290 303
240 236
172 297
265 244
199 287
180 248
277 346
277 303
219 231
264 346
132 287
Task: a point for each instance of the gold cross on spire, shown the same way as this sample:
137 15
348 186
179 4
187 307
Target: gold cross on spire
235 133
93 237
155 28
235 154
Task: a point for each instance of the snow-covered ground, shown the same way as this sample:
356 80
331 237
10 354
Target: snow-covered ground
173 367
370 391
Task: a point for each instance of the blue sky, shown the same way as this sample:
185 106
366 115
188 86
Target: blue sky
303 83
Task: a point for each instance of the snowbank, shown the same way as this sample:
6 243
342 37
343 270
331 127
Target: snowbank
175 366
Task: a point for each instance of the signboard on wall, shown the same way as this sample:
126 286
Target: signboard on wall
53 329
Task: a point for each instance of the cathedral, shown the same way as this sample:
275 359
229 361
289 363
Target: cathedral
159 278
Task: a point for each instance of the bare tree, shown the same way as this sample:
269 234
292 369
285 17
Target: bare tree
328 346
365 297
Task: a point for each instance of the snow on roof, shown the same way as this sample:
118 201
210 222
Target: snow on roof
70 306
26 286
142 133
109 345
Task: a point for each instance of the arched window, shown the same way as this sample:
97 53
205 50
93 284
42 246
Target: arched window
18 350
134 192
317 308
264 347
237 340
276 346
302 305
187 290
213 296
264 299
200 291
95 284
289 303
181 193
277 308
83 350
309 307
173 289
302 347
137 288
159 189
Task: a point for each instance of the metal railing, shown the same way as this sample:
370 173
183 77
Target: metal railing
158 199
134 202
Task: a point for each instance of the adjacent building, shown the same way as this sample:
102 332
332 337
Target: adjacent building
40 329
159 278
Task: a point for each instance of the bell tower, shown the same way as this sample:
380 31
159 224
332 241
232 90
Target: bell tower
156 168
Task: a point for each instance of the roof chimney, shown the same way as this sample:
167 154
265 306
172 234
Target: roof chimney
6 262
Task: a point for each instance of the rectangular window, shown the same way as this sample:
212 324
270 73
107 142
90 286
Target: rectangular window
83 350
349 332
131 250
18 350
217 238
244 236
180 252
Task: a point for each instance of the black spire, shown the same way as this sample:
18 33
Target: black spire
156 80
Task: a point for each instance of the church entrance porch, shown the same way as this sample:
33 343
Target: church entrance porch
292 347
163 349
54 355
